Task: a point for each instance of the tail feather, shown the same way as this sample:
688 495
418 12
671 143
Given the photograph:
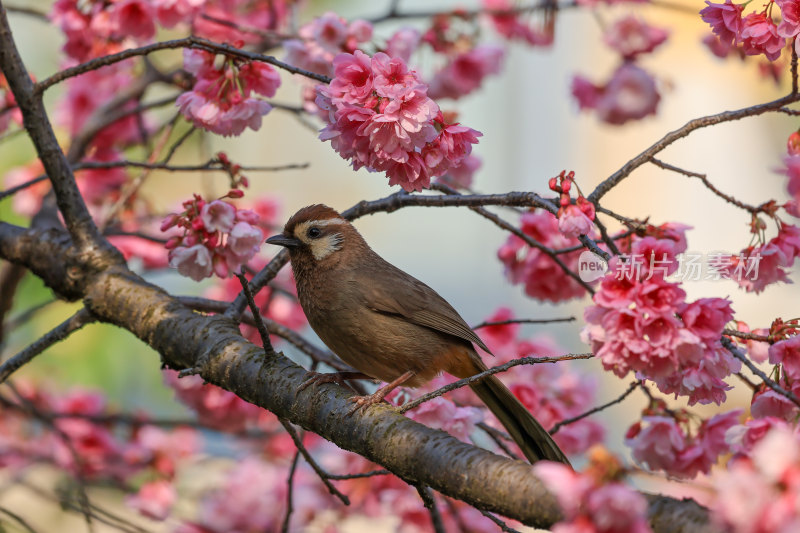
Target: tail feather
534 441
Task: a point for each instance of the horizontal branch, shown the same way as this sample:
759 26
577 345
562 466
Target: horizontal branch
186 42
413 452
57 334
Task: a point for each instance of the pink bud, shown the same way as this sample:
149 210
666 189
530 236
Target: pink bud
793 143
170 221
173 242
234 193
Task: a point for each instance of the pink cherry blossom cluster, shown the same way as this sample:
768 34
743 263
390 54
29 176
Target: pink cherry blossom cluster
792 162
510 24
663 440
573 219
631 93
380 117
79 441
759 493
220 100
756 33
773 257
97 28
594 501
246 500
642 323
87 94
543 278
218 238
632 36
325 37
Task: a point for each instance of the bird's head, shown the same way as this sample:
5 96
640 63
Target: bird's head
318 235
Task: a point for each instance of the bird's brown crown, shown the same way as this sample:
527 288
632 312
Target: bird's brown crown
308 213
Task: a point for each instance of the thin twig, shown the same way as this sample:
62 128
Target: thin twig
491 371
323 475
262 330
734 350
186 42
15 189
371 473
429 500
726 116
289 490
59 333
498 437
632 387
17 518
524 321
708 184
502 525
748 336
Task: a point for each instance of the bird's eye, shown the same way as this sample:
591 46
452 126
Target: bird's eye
314 232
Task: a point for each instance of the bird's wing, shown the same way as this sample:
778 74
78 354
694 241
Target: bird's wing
418 303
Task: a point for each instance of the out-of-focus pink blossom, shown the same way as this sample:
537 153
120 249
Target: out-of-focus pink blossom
787 354
193 261
591 504
244 241
509 24
173 12
443 414
658 444
632 36
403 43
466 72
154 499
134 18
725 20
215 407
630 94
769 403
760 36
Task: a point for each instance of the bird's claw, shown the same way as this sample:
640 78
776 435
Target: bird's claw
362 402
317 378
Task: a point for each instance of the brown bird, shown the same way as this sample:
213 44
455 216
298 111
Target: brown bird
389 325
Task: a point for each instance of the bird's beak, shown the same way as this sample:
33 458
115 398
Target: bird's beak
283 240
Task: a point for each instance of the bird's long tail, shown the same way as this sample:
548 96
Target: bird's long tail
534 441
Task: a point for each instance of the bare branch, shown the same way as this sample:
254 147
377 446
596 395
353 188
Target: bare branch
494 370
695 124
186 42
59 333
323 475
738 354
524 321
709 186
594 410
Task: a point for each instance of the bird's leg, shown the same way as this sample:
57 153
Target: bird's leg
378 395
316 378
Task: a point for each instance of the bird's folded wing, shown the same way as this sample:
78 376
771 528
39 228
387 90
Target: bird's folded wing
419 305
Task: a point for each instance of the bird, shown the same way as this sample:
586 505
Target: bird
388 325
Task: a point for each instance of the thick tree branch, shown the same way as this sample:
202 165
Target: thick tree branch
409 450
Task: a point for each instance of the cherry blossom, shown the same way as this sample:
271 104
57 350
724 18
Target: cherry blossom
725 20
760 36
631 36
380 117
154 499
630 94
